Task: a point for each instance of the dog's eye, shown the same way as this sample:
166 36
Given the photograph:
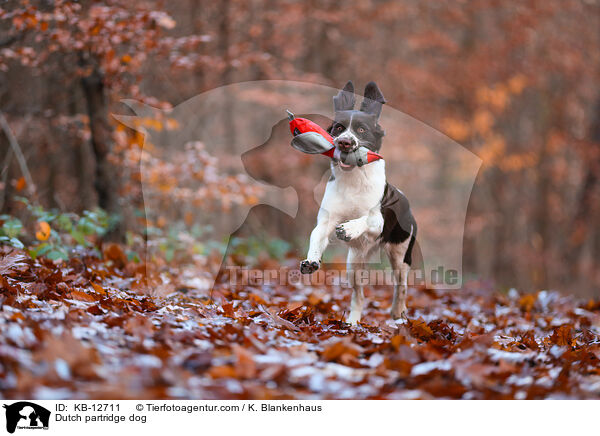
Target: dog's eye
361 130
339 128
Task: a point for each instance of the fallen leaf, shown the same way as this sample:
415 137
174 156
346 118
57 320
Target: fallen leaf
43 231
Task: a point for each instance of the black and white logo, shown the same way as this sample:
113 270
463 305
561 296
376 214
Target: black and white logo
26 415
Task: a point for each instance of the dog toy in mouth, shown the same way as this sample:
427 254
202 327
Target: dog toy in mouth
311 138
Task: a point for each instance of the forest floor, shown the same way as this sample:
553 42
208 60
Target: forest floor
100 329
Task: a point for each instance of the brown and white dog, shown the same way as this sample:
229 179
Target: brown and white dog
360 206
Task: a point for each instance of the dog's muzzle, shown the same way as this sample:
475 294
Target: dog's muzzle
345 144
357 157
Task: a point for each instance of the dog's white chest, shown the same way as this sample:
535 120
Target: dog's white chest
354 193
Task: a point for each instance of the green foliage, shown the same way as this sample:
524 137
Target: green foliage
10 231
180 242
253 246
66 230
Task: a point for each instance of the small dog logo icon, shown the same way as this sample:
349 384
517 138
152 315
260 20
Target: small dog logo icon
26 415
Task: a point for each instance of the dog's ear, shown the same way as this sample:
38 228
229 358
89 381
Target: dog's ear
373 100
345 99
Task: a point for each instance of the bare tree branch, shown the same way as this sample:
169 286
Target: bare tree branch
8 41
18 153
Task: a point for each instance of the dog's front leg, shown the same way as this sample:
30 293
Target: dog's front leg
371 224
319 239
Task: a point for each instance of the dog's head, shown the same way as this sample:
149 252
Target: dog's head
355 128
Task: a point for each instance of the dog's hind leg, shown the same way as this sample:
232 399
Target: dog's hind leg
400 291
400 269
355 262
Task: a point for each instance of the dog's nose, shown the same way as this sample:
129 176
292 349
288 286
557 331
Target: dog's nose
345 144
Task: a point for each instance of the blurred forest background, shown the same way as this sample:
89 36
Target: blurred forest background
516 83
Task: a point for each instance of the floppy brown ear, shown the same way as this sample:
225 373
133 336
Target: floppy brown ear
373 100
345 99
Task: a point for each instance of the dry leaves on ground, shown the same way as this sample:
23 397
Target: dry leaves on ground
103 329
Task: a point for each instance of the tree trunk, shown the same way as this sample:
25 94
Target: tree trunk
101 140
225 40
582 226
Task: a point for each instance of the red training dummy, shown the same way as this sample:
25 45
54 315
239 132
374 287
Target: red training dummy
311 138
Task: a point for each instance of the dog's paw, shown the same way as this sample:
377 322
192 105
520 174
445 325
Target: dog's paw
349 230
399 314
309 266
340 232
353 319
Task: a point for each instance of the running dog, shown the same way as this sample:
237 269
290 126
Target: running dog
360 206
